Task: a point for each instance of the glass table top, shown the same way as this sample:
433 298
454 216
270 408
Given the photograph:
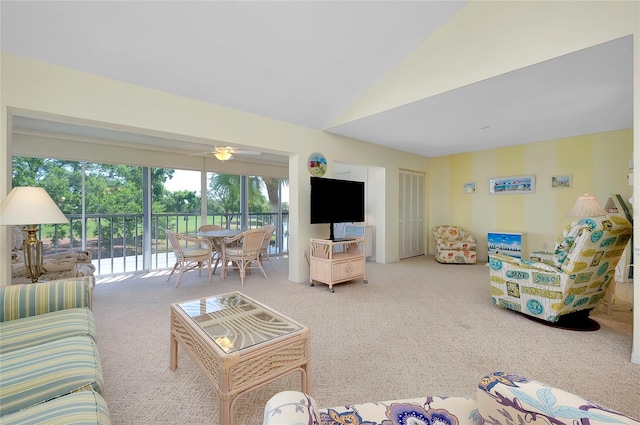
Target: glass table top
218 233
235 321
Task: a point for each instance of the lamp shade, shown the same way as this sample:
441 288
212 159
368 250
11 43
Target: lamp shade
586 206
30 205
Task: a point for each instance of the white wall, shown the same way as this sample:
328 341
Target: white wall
34 88
374 198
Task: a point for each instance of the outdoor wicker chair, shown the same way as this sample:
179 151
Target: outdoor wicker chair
190 257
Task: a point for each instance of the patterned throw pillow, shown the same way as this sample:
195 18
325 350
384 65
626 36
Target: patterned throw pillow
16 238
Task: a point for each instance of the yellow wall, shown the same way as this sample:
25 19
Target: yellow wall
598 164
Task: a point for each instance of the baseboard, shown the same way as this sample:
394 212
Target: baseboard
635 358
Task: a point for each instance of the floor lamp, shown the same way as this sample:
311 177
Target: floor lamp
30 205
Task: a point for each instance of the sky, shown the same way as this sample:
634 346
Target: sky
184 180
190 180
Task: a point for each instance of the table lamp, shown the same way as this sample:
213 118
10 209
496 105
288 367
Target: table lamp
586 206
30 205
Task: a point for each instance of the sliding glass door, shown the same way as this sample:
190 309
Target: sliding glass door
119 212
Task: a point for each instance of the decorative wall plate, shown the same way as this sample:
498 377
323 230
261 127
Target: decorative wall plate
317 164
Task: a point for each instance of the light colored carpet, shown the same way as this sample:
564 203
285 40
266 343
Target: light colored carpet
417 328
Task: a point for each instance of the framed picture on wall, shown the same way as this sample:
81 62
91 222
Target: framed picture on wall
561 181
469 187
512 185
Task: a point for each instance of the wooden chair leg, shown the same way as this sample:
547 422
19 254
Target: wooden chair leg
172 270
262 268
179 276
242 268
610 296
217 261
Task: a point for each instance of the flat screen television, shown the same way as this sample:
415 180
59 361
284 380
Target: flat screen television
336 201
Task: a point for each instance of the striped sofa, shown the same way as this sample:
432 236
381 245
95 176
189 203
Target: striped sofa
50 369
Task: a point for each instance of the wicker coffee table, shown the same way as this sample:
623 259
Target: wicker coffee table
239 343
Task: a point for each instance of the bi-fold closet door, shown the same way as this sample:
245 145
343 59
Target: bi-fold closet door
411 232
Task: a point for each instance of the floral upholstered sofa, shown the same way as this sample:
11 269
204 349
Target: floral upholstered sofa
502 399
454 245
74 263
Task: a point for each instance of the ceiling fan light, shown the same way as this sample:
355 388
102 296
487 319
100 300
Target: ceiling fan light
223 155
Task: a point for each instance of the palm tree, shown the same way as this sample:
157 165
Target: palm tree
224 190
273 193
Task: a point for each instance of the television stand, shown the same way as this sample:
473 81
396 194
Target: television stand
336 261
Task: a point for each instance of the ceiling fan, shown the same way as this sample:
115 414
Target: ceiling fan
225 153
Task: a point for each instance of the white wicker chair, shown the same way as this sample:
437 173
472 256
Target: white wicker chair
264 251
190 257
243 250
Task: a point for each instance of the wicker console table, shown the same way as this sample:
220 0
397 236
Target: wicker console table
239 343
333 262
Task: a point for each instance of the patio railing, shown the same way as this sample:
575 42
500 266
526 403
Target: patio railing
116 240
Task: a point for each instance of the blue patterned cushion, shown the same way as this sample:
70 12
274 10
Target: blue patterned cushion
35 330
46 371
81 408
588 253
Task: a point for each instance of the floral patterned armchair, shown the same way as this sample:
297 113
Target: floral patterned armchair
501 399
74 263
563 286
454 245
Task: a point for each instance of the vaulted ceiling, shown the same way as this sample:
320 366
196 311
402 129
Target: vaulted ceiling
306 62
